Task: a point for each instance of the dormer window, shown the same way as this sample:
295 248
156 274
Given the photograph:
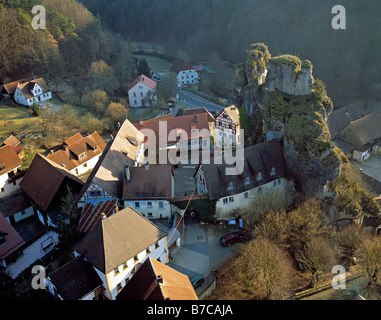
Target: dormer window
230 186
259 177
247 180
82 155
273 171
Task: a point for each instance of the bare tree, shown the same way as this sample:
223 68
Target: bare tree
264 270
317 257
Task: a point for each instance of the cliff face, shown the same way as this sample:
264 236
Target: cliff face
287 74
293 108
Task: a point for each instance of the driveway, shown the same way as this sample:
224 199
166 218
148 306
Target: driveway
371 167
200 251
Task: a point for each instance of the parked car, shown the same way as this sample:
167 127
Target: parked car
231 238
197 281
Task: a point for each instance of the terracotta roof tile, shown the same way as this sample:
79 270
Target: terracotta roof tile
144 285
9 159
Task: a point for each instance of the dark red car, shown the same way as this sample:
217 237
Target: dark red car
231 238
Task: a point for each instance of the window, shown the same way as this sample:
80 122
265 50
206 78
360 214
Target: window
136 258
125 265
274 183
135 102
259 177
96 193
259 190
76 171
149 204
273 171
148 251
85 165
225 201
279 181
23 212
157 245
230 186
116 271
246 195
247 180
119 287
161 204
220 123
137 205
134 94
150 214
141 94
231 199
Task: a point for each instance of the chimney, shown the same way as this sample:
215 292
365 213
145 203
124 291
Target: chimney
103 216
159 278
141 122
195 119
128 176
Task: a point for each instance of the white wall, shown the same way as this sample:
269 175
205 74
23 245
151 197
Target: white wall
83 169
137 94
154 209
187 77
8 187
225 209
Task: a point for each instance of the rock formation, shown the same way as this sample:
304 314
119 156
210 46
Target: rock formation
293 108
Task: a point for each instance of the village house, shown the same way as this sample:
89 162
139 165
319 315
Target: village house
149 190
10 243
357 137
196 111
46 183
15 144
9 89
228 127
31 92
10 173
156 281
76 280
186 75
179 134
105 182
141 91
17 207
264 171
116 248
79 154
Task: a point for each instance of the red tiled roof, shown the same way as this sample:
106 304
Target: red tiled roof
144 79
43 179
11 141
9 159
183 124
144 285
186 66
76 145
91 215
13 241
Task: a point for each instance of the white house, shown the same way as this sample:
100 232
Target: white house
264 169
140 89
79 154
149 189
31 92
187 75
9 165
118 245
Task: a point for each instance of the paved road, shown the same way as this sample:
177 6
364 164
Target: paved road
193 101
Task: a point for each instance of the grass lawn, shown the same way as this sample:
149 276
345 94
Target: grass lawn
157 64
14 120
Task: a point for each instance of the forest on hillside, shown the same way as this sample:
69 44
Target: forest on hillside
74 47
346 60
